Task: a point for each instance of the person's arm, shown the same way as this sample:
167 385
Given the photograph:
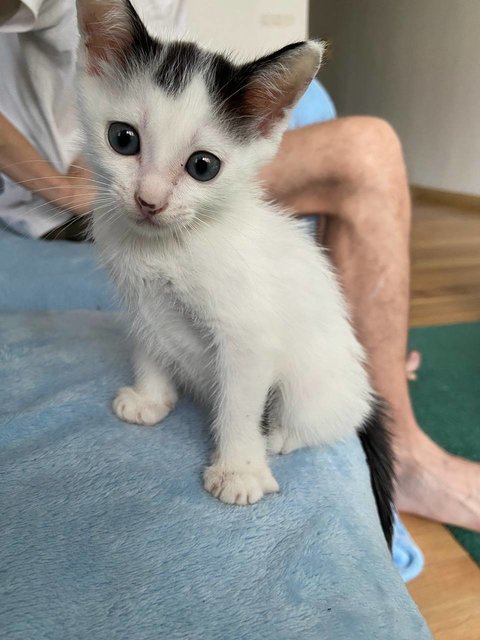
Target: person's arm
23 164
8 10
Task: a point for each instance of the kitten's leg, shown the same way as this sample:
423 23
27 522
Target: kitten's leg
282 438
314 408
152 396
239 473
290 410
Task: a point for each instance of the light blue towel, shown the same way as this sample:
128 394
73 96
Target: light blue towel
106 531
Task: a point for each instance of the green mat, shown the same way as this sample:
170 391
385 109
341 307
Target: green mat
446 396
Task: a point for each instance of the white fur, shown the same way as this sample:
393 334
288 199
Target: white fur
228 296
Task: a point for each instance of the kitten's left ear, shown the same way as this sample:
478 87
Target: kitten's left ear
274 83
108 28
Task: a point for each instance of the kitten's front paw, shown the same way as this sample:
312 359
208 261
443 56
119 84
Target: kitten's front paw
239 486
132 407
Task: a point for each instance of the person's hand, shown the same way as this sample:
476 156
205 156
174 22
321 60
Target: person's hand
21 162
79 195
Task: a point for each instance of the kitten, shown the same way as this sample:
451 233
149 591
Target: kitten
228 296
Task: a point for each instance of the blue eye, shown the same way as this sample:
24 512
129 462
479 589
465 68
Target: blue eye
123 138
203 166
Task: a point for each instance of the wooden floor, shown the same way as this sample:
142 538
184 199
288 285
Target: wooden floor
445 289
447 592
445 265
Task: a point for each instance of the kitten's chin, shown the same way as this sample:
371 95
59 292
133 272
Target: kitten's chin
148 223
159 225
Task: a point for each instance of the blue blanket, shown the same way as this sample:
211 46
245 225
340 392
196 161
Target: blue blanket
63 275
106 531
39 275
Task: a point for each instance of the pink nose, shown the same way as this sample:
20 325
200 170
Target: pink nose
147 208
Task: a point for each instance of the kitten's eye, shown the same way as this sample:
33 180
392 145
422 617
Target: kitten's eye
203 166
123 138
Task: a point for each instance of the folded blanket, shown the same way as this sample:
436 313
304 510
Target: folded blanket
407 557
106 531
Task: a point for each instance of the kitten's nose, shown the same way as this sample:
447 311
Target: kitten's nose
147 208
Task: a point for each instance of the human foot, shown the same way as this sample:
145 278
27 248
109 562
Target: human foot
435 484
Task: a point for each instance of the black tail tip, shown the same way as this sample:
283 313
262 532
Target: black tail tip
376 440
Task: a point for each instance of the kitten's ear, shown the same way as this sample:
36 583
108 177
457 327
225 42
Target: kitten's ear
108 28
275 82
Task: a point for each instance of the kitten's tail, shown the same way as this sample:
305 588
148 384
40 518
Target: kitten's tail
376 441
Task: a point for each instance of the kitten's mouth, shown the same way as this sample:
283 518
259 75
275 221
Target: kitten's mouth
153 225
148 222
159 222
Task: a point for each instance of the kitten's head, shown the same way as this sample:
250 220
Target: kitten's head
177 132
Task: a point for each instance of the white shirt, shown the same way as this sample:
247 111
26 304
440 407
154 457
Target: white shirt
38 43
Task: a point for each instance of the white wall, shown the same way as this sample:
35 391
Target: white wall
417 64
249 27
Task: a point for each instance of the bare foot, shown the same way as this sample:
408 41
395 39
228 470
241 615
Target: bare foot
412 365
435 484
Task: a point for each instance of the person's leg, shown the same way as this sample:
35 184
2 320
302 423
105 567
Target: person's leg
352 169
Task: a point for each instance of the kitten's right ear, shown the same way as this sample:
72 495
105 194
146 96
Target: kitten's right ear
108 28
274 83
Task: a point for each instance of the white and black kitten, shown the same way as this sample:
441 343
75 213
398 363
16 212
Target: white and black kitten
228 296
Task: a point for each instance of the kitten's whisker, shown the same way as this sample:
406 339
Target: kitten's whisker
88 169
61 211
87 216
75 178
76 166
81 187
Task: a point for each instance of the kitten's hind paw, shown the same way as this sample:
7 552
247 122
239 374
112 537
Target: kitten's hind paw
132 407
239 486
281 441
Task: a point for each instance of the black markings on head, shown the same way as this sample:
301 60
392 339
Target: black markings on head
174 64
177 65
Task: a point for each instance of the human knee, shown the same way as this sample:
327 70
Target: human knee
375 157
374 167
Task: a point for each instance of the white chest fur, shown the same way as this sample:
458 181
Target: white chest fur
231 313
